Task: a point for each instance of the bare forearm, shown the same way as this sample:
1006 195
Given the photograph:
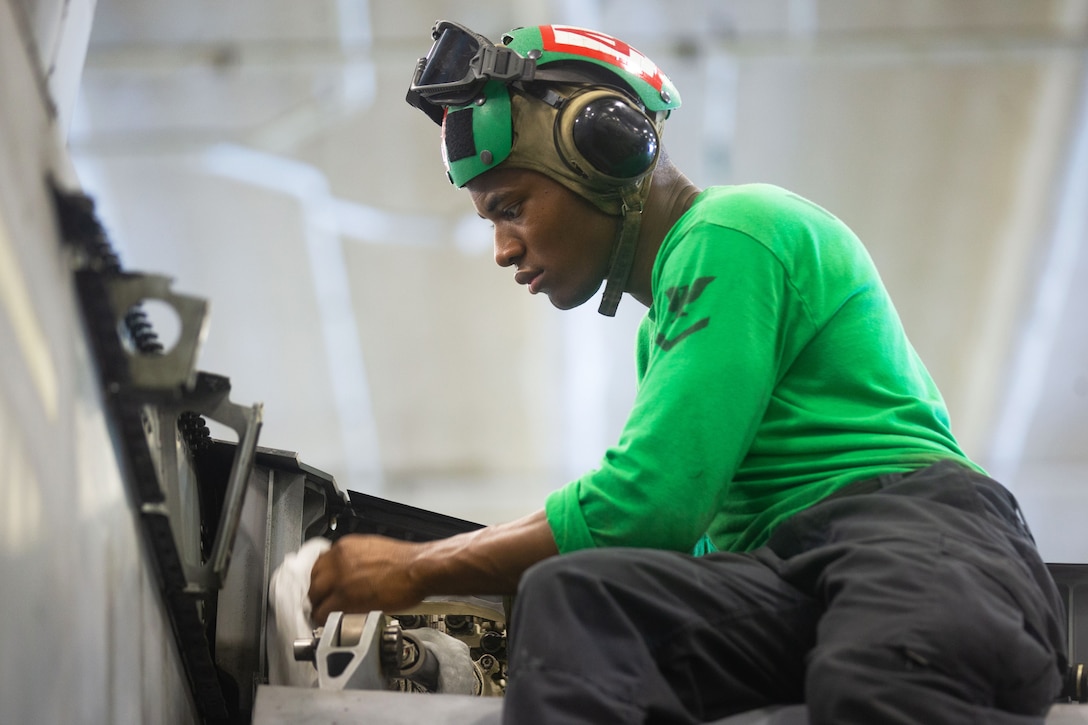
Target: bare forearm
486 561
361 572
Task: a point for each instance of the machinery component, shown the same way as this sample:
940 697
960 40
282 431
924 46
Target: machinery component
492 676
167 371
1072 583
414 621
207 397
354 651
392 654
148 391
368 514
480 624
374 652
460 624
418 665
190 492
1075 686
305 650
493 643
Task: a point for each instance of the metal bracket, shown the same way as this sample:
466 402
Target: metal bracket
209 398
146 389
166 372
168 384
348 652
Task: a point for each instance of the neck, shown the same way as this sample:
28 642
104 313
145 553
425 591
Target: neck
671 194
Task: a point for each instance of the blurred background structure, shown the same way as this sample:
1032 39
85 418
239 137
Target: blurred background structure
262 154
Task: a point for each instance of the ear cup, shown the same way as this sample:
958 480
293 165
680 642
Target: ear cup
600 133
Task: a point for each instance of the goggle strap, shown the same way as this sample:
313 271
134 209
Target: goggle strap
416 100
541 93
502 64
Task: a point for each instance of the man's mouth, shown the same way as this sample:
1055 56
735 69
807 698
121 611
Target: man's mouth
531 278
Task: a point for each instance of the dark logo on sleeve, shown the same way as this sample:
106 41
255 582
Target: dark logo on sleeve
679 298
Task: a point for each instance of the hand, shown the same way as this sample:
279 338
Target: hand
362 573
366 573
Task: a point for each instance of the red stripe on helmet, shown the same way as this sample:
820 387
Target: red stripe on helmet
598 46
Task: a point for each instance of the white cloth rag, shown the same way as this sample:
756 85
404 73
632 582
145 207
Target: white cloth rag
289 616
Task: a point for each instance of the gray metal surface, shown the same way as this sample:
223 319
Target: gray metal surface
1067 715
83 637
239 632
296 706
284 499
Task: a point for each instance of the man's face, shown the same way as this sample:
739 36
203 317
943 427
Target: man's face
557 242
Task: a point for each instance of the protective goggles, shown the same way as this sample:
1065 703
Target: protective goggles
458 65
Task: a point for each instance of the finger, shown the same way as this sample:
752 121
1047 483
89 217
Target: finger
322 578
327 606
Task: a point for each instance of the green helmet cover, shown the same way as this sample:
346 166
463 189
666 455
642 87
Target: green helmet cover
479 136
556 43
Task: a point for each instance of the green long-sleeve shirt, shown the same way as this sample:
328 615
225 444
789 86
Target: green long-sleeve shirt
773 369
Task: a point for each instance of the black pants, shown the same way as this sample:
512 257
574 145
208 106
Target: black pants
921 599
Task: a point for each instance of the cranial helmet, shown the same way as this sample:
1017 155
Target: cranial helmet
579 106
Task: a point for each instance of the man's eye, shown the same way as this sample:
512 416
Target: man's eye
511 212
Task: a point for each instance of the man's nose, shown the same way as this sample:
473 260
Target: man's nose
507 249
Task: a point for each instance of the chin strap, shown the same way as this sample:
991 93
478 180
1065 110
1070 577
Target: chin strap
623 254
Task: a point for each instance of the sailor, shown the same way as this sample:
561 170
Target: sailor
787 516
